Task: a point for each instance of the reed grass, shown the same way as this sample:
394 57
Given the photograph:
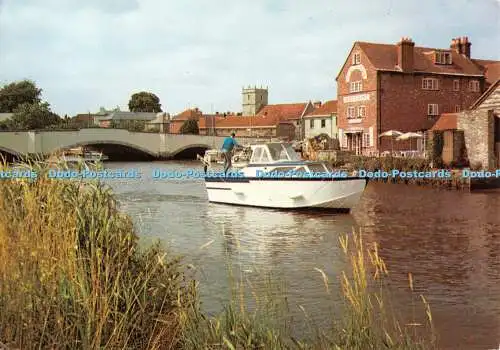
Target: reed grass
72 276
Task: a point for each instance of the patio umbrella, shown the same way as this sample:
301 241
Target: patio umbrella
409 135
391 134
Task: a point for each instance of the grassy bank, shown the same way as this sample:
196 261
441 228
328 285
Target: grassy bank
72 276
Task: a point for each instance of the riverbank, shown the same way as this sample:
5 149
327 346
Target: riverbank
456 181
72 275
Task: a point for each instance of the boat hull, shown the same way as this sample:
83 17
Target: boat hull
329 193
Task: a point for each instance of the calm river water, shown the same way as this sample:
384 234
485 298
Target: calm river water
449 241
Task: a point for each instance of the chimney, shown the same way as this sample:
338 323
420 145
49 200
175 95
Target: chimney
461 45
317 104
405 54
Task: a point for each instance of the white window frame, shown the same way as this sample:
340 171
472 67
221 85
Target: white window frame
361 111
323 121
311 123
430 84
356 58
433 109
474 86
443 57
456 85
351 112
356 86
366 140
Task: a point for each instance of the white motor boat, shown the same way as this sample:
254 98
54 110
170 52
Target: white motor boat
276 177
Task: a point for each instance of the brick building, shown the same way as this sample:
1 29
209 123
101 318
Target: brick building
177 121
404 87
259 119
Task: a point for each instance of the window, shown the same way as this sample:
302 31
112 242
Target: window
474 86
311 123
323 123
356 58
351 112
356 86
430 84
366 140
456 85
361 111
256 155
457 108
432 109
443 57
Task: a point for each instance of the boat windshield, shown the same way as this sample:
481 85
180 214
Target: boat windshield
281 151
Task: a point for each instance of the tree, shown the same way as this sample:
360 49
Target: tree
28 116
15 94
190 126
144 102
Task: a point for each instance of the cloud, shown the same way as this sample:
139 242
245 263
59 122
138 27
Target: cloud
85 54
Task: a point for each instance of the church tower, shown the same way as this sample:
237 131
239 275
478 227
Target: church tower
254 99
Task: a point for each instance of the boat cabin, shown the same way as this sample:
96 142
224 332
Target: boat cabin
281 156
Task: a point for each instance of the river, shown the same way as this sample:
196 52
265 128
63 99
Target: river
449 241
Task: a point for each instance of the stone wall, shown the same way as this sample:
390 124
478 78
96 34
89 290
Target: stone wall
478 126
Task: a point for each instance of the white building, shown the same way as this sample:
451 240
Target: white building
322 120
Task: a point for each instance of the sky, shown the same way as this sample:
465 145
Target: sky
85 54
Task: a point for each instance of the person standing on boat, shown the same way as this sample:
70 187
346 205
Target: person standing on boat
227 151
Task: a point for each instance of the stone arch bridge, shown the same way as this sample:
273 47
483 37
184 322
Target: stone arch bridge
158 146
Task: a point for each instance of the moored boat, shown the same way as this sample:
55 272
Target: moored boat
276 177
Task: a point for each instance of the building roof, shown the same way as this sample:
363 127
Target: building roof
384 57
493 88
285 111
326 109
446 121
191 113
119 115
490 68
235 121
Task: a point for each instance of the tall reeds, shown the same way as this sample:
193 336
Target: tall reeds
71 273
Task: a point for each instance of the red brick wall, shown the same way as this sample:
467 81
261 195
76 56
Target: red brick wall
369 87
404 102
175 126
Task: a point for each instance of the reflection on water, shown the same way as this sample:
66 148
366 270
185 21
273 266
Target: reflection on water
449 241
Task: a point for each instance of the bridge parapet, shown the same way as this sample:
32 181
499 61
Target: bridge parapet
156 145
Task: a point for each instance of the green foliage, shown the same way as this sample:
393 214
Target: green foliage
17 93
144 102
190 126
28 116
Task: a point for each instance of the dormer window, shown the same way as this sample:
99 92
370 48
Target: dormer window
356 58
442 57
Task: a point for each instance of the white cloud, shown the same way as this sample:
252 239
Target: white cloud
98 52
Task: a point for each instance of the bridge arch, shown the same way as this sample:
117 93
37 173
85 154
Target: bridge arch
202 147
124 151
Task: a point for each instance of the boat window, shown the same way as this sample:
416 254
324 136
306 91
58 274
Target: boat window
281 151
256 155
292 155
264 158
277 151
